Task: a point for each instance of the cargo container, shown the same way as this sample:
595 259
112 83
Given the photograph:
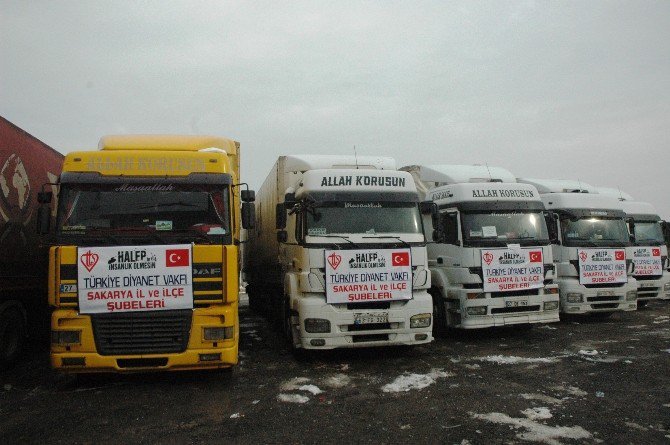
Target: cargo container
26 164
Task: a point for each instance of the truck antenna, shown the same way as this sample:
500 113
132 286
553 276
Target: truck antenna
489 170
356 157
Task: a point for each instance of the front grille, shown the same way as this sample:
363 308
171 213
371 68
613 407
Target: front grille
601 285
605 306
647 277
515 293
155 332
603 298
368 327
515 310
648 291
374 337
369 305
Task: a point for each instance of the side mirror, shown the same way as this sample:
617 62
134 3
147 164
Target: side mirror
289 200
280 216
44 197
282 236
43 219
248 215
427 207
248 195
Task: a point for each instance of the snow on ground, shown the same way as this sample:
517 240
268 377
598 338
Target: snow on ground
534 430
337 381
572 390
539 413
311 389
408 382
586 352
513 360
294 383
542 398
292 398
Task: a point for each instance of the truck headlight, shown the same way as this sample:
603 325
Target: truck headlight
631 295
317 325
218 333
575 297
550 305
666 287
476 310
419 321
66 337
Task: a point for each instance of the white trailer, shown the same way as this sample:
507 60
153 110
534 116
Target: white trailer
338 256
490 257
589 244
648 252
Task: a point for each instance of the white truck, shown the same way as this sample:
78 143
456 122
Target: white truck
648 252
338 256
490 257
589 242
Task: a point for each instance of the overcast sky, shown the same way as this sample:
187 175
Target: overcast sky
559 89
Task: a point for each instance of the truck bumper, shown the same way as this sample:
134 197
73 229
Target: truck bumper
648 290
345 333
594 300
84 357
499 311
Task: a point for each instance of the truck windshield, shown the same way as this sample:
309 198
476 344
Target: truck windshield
369 218
501 228
594 232
162 210
648 233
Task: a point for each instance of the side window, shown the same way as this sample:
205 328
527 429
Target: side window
450 227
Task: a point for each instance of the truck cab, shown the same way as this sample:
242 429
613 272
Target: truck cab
489 252
589 243
339 256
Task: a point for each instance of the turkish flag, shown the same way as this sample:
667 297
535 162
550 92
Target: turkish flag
400 258
535 256
655 252
177 257
619 255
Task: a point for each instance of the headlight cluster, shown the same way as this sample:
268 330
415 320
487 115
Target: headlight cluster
419 321
575 297
631 295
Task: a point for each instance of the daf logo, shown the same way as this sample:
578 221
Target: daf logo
206 271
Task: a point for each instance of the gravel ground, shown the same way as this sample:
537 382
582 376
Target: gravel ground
577 381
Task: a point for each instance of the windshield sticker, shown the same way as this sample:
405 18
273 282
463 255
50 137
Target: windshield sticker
362 205
316 231
489 231
163 225
145 188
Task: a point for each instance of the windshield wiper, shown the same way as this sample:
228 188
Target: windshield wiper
405 243
339 236
168 204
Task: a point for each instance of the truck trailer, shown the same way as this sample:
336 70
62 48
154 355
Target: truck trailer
589 241
143 273
490 257
25 164
338 256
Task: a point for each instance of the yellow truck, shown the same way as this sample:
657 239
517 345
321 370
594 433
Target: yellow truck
144 263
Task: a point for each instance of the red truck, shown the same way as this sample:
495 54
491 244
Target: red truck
26 164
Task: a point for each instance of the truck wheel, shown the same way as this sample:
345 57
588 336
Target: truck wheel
12 336
439 317
287 327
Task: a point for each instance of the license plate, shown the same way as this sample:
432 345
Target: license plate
367 318
516 303
605 293
646 284
68 288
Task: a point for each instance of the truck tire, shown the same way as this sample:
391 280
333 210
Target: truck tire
439 316
12 336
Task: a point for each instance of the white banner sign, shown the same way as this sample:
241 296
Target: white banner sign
358 276
601 266
134 278
647 261
507 270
